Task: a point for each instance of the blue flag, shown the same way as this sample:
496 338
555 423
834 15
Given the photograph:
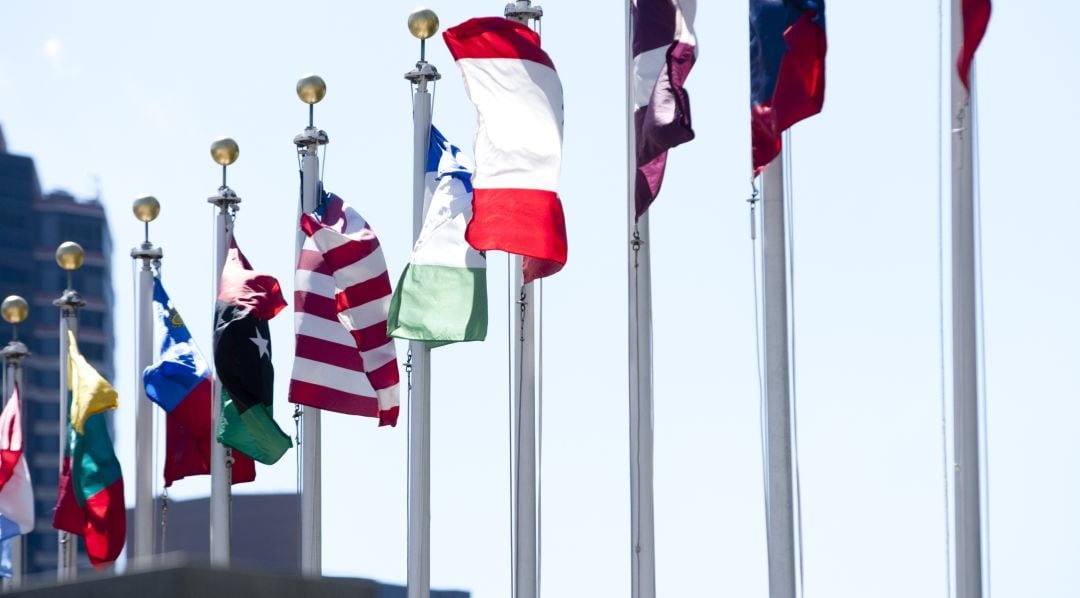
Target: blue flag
181 384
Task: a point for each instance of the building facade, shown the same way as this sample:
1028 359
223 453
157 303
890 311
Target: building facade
32 225
265 537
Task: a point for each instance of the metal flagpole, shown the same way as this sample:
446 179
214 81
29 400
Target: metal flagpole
643 547
526 521
965 348
224 151
311 89
146 209
643 557
423 24
15 311
779 476
69 256
526 574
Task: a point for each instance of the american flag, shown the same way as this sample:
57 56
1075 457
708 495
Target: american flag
344 360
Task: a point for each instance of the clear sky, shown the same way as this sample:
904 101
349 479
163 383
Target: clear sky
130 94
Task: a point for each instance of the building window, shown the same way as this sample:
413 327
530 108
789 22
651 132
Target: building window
45 411
44 443
92 351
84 231
92 319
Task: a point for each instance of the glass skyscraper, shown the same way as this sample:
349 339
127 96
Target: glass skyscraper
32 225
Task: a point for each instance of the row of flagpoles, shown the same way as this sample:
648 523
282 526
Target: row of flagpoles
346 363
787 56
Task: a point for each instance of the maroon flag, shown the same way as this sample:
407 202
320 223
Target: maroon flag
664 52
976 15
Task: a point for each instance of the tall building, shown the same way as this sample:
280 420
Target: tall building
265 537
32 226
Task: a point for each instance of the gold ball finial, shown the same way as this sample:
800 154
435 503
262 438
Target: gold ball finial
15 309
224 151
146 208
423 23
69 255
311 89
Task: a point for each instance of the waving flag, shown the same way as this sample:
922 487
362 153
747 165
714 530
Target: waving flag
787 70
344 360
442 294
97 395
16 494
664 49
180 383
246 301
91 490
976 16
519 105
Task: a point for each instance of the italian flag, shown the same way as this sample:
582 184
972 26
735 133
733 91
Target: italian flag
442 294
519 131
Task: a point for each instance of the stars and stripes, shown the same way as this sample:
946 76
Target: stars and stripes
345 362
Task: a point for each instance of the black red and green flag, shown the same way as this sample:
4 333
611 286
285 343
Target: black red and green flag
90 502
242 358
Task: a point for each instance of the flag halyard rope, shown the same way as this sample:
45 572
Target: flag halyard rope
510 416
539 433
789 222
523 302
758 355
980 310
164 518
636 243
945 469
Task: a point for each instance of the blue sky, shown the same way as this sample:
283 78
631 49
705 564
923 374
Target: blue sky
131 94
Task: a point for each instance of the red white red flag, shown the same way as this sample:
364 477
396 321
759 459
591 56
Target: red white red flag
519 105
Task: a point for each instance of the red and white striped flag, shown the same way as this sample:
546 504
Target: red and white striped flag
344 360
519 105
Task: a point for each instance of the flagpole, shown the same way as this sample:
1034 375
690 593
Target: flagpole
15 311
423 24
311 89
967 517
146 209
643 548
69 256
779 476
224 151
639 266
526 521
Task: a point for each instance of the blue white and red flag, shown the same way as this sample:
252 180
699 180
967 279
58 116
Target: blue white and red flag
787 70
180 383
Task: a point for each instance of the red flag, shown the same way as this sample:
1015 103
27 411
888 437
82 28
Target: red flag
787 70
976 15
519 101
